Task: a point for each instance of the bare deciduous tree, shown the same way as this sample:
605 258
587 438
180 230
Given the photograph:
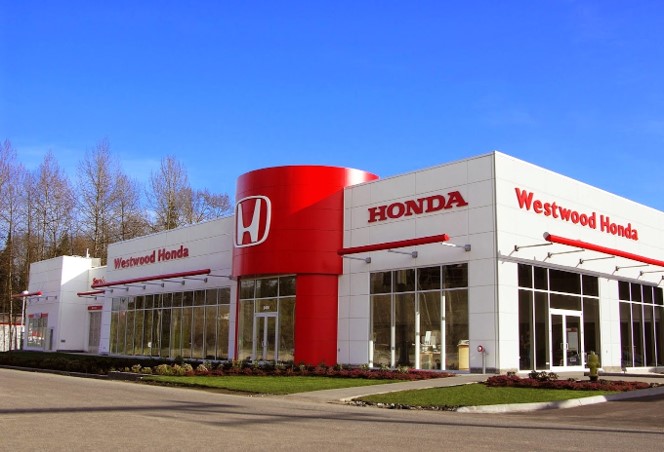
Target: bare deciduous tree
201 205
130 218
169 187
53 207
11 179
98 176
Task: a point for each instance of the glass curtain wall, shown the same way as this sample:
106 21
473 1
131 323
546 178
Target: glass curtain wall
641 330
572 295
266 321
191 325
419 317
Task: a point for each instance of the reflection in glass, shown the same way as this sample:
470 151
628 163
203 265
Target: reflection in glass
557 340
541 331
247 288
129 334
223 323
649 335
525 275
381 282
456 326
562 281
381 334
210 342
404 280
286 329
591 336
541 278
267 288
626 334
122 332
637 334
570 302
176 333
404 329
114 350
165 342
287 286
635 290
428 278
177 300
245 328
198 332
455 276
659 335
526 350
430 329
186 319
138 332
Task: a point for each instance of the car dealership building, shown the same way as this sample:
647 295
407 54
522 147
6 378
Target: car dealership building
485 263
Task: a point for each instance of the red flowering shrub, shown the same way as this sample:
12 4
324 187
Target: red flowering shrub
600 385
246 368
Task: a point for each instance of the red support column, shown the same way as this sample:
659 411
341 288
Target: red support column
316 318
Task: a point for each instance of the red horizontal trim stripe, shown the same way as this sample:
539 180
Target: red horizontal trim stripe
90 293
152 278
395 244
602 249
29 294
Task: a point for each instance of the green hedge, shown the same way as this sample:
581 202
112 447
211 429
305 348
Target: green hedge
70 362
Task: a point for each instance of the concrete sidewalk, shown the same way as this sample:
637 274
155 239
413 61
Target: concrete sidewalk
347 394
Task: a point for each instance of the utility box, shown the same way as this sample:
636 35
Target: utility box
464 354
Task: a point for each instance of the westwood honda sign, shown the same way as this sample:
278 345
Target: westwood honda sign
160 255
528 201
417 206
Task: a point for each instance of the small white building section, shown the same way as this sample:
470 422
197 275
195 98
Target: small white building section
60 279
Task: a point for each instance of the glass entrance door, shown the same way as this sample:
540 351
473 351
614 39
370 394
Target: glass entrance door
265 337
566 341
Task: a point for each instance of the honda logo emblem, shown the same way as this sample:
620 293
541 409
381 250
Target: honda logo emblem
252 220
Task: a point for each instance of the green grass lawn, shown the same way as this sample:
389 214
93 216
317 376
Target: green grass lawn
456 396
267 385
477 394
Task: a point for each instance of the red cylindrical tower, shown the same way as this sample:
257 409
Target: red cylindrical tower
289 220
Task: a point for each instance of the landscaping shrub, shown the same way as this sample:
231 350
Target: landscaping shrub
102 365
553 383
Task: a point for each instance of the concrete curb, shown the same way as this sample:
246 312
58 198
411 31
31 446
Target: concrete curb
572 403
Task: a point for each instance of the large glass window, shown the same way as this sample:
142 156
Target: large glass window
419 317
546 294
640 325
192 325
37 331
266 329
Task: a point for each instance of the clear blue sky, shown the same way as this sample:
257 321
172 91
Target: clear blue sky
384 86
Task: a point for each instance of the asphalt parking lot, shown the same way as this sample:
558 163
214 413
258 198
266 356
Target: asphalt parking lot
52 412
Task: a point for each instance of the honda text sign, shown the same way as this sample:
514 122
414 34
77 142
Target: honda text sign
252 220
